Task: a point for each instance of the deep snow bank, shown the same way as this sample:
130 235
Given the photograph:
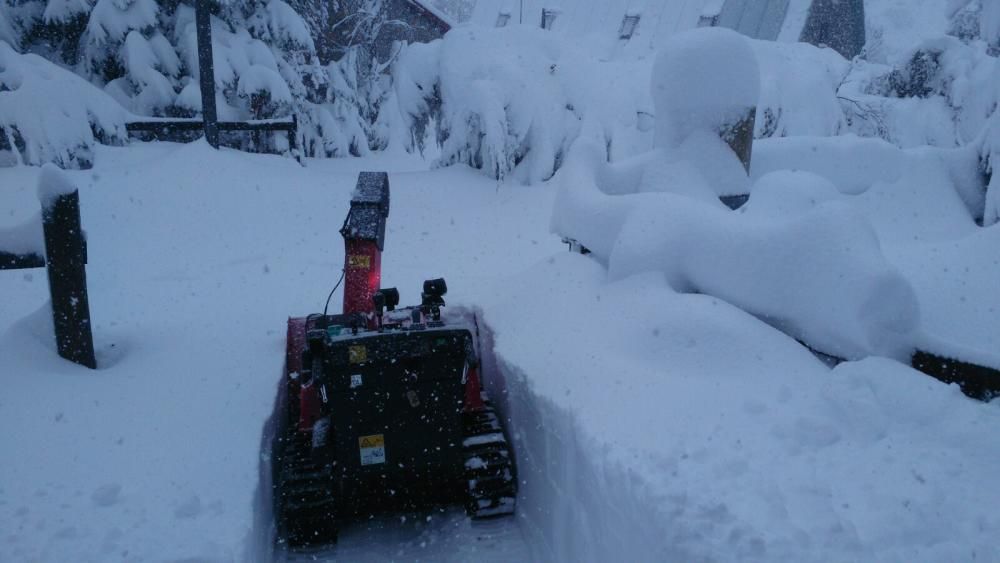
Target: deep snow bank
909 195
655 426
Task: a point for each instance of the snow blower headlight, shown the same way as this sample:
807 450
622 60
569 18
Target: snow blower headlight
435 289
387 298
431 299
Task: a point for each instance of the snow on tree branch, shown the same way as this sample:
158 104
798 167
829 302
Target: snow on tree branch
48 114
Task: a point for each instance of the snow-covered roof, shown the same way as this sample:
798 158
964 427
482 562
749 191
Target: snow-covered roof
433 12
659 19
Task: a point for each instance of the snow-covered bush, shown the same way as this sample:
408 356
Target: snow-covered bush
941 93
110 22
49 114
496 97
798 90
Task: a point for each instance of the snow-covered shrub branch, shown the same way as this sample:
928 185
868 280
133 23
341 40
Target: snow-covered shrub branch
497 98
940 92
48 114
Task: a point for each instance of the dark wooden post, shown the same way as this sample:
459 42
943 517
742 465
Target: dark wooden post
203 24
739 136
65 257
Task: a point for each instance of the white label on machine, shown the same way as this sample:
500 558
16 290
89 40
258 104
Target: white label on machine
372 449
355 380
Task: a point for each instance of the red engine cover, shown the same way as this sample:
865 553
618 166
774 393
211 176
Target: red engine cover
362 275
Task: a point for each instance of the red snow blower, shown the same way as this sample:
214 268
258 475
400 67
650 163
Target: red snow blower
385 408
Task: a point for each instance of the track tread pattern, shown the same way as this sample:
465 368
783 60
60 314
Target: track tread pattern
304 491
489 466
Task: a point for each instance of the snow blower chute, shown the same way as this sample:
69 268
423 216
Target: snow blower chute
385 410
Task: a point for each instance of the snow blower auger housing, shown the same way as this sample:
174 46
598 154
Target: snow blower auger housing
385 410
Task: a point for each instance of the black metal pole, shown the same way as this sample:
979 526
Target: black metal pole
739 136
203 23
66 256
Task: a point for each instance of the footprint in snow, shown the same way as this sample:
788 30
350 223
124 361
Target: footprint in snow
107 495
190 508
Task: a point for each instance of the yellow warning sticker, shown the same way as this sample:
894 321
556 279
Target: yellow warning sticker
357 354
372 449
361 261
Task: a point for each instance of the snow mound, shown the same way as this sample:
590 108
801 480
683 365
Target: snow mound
820 277
785 193
49 114
816 271
703 80
909 195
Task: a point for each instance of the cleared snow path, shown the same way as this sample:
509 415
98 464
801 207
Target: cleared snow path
436 536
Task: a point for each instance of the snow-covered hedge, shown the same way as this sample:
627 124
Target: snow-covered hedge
49 114
940 92
496 97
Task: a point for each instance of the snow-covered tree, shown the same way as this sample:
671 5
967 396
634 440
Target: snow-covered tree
143 53
64 126
496 99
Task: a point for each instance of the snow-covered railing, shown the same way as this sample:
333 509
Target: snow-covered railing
56 241
209 123
172 129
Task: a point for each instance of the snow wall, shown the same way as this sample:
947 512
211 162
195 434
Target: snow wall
572 505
